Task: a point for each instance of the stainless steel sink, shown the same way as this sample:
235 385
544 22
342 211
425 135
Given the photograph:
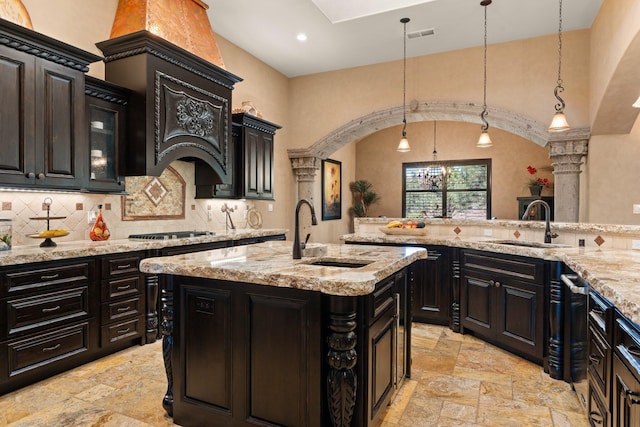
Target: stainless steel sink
339 263
528 244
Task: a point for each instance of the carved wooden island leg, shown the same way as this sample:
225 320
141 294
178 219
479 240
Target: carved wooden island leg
166 298
341 378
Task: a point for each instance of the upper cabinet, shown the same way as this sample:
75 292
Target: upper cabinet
42 114
106 115
253 178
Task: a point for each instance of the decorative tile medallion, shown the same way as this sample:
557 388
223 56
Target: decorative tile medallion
516 234
599 240
155 191
457 230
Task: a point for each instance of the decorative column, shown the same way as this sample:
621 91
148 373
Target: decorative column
305 169
566 157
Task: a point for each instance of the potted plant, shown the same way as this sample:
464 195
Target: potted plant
536 184
363 196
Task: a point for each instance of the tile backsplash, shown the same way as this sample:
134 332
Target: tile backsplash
201 214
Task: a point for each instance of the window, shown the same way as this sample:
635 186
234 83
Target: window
459 189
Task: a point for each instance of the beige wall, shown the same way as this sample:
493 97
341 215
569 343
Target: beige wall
379 162
521 77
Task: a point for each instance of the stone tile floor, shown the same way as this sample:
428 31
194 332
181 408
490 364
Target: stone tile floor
457 380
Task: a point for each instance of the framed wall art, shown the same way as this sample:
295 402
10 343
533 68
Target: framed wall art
331 189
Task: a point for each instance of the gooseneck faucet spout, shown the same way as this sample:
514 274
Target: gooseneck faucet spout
297 247
547 217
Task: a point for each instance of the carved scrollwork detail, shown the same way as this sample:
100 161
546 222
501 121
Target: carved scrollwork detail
196 117
167 345
341 358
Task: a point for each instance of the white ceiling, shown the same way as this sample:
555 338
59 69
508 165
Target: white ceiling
366 35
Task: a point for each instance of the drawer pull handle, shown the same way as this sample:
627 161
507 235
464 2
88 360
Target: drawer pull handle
630 397
122 288
594 359
122 267
124 331
634 350
595 417
597 311
123 309
53 276
55 347
49 310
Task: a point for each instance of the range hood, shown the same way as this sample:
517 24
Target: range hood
180 109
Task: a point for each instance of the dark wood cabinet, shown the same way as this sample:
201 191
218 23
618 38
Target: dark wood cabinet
106 122
431 287
122 300
253 177
503 300
626 374
537 213
42 116
50 318
600 358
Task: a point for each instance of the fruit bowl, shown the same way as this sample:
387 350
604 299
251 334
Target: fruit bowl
404 231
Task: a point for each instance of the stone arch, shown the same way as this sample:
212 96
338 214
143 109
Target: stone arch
306 161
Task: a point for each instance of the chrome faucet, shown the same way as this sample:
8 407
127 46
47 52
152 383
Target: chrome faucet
297 247
548 235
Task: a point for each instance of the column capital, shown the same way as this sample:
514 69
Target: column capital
566 156
305 168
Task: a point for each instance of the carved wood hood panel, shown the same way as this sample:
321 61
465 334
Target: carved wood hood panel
181 108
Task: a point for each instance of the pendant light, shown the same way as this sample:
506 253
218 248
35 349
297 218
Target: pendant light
434 173
484 141
403 146
559 121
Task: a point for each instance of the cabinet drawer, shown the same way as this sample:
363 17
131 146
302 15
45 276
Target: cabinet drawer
24 314
21 281
599 363
601 315
118 266
382 298
123 330
39 350
121 309
122 287
529 269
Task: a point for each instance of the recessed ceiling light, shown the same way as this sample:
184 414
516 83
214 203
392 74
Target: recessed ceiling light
302 37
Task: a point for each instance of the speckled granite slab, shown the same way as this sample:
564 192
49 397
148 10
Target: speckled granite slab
83 248
272 264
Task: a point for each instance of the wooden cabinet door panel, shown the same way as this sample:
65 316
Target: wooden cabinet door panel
626 395
16 115
478 303
521 312
267 165
382 358
60 130
208 361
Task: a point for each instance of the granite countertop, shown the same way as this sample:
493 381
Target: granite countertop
25 254
271 263
614 273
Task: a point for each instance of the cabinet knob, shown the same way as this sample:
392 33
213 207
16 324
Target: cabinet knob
41 176
497 284
31 175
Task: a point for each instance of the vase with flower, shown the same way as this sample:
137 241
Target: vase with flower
536 183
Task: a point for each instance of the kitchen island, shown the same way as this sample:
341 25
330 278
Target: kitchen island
252 336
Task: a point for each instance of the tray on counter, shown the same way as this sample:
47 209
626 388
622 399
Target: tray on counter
404 231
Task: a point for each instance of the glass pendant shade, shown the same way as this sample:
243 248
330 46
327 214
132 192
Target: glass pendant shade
403 146
484 141
559 123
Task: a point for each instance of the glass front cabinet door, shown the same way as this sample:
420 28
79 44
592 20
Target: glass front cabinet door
106 113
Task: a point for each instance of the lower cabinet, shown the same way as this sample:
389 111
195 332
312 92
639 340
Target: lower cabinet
122 300
599 358
432 296
626 375
50 320
503 301
247 354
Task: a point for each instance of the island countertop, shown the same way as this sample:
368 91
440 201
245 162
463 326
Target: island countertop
271 264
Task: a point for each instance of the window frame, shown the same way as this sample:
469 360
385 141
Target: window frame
447 164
